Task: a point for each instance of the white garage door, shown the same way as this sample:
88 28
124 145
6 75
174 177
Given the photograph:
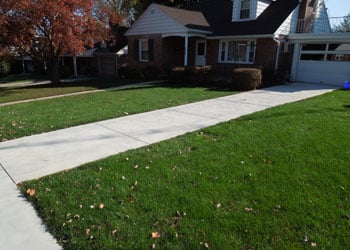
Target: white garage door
327 63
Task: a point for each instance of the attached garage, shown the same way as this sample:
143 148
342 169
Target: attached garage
321 58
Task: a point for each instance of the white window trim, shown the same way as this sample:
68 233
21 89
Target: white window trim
240 9
227 41
140 50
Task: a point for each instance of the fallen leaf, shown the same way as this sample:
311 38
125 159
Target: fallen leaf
249 209
155 235
31 192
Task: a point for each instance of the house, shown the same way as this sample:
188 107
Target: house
231 33
103 60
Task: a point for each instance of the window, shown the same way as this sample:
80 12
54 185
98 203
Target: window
144 49
337 52
245 9
237 51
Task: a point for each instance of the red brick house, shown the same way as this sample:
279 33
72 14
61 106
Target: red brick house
217 32
226 33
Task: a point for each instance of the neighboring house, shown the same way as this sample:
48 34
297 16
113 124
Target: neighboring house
224 33
103 60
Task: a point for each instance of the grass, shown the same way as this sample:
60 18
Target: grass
30 78
43 116
12 94
277 179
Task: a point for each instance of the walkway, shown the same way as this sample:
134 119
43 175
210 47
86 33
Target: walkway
39 155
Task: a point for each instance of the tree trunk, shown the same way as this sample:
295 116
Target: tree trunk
55 73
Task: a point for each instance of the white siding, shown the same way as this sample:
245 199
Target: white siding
262 5
321 18
256 8
154 21
235 10
290 24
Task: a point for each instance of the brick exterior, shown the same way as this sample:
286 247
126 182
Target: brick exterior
157 52
212 52
266 50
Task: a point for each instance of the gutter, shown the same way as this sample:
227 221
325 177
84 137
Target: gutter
242 36
275 38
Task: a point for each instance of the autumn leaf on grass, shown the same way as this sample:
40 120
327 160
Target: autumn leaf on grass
31 192
249 209
155 235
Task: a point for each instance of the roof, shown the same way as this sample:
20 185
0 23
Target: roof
188 18
218 13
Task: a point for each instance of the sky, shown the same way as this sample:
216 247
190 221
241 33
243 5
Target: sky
338 8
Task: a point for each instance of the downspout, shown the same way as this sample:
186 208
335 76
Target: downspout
278 42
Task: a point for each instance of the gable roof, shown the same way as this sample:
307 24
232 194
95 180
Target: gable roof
188 18
213 17
218 13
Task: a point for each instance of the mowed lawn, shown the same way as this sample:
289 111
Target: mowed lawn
277 179
47 115
15 93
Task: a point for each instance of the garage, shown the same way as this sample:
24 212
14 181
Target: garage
322 61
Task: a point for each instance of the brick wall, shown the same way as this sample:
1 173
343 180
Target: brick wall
157 52
212 52
266 50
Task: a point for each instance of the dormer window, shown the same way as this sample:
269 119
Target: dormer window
245 9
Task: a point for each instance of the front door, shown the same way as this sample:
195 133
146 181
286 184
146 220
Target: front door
201 52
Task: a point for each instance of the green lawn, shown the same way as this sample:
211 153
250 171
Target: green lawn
42 116
277 179
23 78
12 94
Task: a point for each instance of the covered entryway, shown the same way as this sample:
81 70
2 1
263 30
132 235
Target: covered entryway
324 61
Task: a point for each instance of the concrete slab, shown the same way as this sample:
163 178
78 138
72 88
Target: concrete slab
36 156
20 227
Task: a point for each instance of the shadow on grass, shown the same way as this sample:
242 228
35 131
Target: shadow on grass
166 84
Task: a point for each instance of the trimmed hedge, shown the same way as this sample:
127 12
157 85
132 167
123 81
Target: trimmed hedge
246 78
191 74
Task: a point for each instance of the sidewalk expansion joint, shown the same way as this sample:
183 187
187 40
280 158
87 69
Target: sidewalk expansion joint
194 114
244 102
8 174
121 133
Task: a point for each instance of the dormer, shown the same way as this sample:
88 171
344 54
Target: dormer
247 10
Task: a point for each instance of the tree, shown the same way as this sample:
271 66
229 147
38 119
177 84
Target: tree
48 29
344 26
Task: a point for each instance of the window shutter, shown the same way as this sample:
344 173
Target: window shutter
150 50
136 50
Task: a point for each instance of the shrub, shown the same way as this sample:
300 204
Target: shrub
199 74
191 74
246 78
150 73
129 73
176 75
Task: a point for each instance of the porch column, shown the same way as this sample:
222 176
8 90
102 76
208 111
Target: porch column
186 51
75 66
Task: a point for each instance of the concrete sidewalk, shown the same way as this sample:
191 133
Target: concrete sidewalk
39 155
